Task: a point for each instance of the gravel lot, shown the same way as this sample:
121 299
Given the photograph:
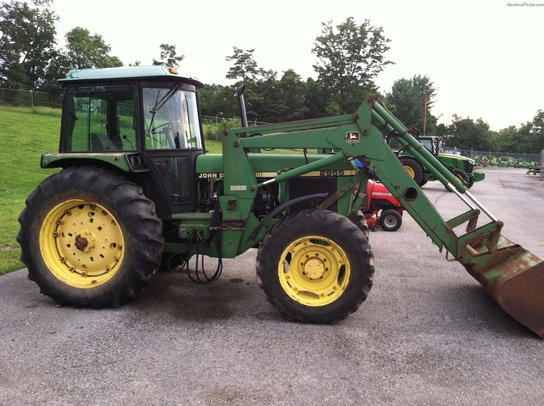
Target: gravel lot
427 335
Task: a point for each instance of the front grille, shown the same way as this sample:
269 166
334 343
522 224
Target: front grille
299 187
469 166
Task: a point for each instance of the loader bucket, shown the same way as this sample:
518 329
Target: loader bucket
514 277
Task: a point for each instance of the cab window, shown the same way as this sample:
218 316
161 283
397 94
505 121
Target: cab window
170 119
101 119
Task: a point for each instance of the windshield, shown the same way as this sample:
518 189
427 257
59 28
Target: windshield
434 145
427 144
170 118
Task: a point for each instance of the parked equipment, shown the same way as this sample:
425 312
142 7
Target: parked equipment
534 168
137 187
380 208
461 166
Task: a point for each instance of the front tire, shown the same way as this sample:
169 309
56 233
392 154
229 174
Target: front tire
90 238
315 266
390 220
463 177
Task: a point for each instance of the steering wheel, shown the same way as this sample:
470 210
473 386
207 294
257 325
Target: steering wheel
154 129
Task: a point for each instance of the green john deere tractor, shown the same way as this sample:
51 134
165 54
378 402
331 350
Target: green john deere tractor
137 189
461 166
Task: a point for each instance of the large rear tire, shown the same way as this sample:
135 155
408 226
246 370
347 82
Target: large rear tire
90 238
315 266
414 169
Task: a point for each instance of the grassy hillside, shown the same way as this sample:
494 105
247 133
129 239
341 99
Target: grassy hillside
25 134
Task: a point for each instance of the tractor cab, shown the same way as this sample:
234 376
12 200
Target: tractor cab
150 112
432 143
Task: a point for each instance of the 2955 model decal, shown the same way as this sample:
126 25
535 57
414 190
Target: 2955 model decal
339 172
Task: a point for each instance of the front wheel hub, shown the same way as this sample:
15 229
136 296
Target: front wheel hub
85 241
314 270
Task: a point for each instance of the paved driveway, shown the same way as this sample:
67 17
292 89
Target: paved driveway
427 335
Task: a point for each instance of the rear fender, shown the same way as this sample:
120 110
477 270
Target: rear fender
121 161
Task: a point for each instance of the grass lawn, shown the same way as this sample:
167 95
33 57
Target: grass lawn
25 135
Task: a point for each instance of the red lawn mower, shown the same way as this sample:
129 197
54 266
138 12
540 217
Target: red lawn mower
381 208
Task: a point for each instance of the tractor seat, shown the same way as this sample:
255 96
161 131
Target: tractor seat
100 142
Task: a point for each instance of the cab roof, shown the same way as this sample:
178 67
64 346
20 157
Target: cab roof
131 72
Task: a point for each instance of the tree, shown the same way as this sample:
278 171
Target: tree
465 133
409 98
528 138
537 132
290 96
279 100
260 83
244 67
510 140
262 97
58 66
350 57
218 101
88 51
27 43
169 56
315 99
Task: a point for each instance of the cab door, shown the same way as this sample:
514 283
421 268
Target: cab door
171 142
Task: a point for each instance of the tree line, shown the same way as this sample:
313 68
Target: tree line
350 56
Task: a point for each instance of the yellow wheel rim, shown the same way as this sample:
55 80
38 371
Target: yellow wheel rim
81 243
314 271
410 171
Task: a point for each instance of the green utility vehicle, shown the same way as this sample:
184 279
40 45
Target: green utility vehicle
460 166
138 189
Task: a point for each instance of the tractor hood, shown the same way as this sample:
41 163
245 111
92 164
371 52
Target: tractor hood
454 156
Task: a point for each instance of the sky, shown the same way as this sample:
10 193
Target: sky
484 57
